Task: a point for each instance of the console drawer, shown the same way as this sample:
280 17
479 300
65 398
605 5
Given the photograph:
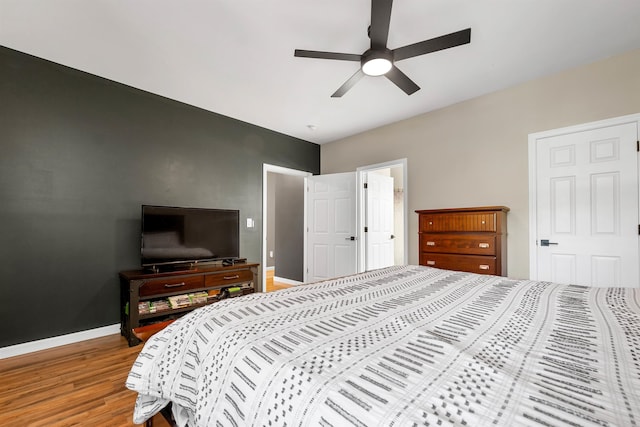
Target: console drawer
482 221
228 278
471 263
169 285
458 244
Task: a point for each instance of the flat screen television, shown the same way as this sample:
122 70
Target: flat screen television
179 235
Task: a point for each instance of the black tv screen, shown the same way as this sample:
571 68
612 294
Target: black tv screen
173 235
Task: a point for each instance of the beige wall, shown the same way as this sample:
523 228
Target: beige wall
475 153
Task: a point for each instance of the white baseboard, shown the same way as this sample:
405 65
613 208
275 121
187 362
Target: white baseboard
44 344
287 281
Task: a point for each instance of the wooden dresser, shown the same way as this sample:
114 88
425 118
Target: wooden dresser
465 239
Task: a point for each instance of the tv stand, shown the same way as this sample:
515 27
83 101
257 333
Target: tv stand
143 286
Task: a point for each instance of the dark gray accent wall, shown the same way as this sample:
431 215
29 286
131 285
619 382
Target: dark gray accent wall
79 155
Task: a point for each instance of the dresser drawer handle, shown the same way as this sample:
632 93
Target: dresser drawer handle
237 276
484 267
431 262
175 285
483 245
431 243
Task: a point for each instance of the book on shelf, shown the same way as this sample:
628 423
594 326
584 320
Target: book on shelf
198 297
148 307
185 300
144 307
161 305
179 301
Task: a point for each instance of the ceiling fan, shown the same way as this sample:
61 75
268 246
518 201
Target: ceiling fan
379 60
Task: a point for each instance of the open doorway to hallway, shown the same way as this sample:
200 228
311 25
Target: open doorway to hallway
283 227
286 221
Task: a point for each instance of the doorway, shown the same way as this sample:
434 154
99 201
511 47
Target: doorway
282 225
396 170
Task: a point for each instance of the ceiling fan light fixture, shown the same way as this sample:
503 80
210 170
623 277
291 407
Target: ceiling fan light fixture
377 63
376 67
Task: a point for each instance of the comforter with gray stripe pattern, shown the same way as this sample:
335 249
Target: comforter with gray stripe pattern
401 346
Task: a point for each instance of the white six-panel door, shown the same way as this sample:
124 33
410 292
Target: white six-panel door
379 221
331 226
587 207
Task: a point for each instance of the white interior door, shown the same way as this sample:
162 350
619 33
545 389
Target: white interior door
587 207
379 248
331 226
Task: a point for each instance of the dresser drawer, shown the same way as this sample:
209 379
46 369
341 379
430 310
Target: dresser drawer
481 221
168 285
458 244
228 278
471 263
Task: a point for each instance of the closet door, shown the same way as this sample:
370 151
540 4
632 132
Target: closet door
587 207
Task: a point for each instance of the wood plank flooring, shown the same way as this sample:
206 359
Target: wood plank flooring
79 384
272 285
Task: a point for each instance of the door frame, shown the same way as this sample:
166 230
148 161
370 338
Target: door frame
533 166
266 168
361 203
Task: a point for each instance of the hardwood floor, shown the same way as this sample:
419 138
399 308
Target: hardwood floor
79 384
272 285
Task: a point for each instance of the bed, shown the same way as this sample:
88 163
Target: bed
401 346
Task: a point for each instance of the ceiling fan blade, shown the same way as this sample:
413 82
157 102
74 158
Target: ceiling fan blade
326 55
348 84
402 81
380 18
432 45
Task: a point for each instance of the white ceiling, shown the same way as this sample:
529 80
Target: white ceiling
235 57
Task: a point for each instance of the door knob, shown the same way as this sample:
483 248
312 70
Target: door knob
545 242
392 237
350 238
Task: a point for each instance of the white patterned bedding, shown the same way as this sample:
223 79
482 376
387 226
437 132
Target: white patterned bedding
401 346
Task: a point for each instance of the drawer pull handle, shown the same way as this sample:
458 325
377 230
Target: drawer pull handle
431 262
175 285
430 222
237 276
483 245
431 243
484 267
